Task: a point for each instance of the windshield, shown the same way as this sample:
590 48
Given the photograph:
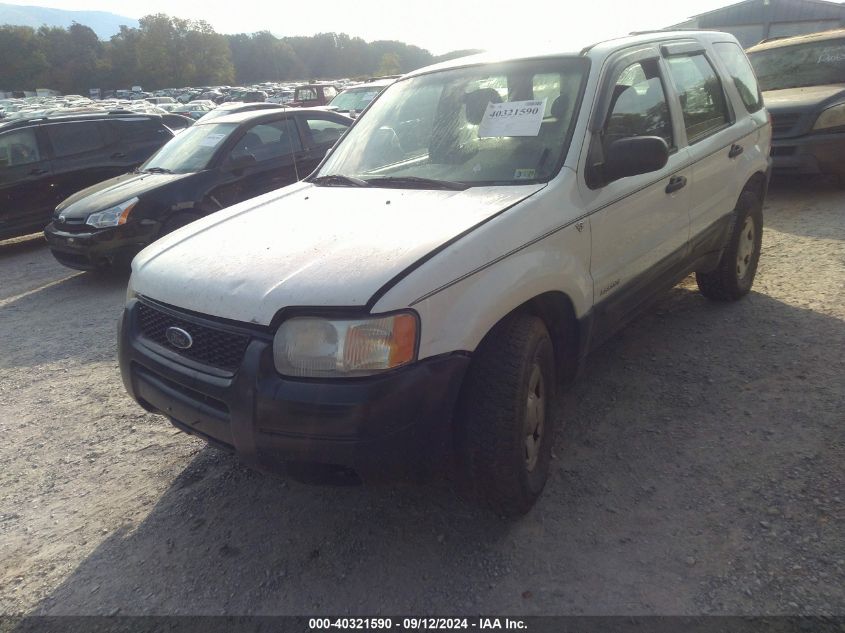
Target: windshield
494 124
191 150
355 98
813 64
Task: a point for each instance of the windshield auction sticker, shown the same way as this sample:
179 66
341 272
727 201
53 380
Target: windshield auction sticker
212 139
512 118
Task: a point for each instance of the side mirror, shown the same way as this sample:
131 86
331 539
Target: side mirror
241 162
635 155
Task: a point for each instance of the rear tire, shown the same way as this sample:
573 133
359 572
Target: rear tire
733 277
506 425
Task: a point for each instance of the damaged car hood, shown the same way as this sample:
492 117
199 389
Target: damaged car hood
308 246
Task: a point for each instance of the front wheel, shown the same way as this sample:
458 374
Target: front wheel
733 277
506 424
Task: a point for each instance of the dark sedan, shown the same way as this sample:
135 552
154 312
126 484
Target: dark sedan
209 166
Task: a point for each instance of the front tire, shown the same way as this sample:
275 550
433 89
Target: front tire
506 424
733 277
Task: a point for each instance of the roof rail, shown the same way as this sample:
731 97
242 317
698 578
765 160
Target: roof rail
667 30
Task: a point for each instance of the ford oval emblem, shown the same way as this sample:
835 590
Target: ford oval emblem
178 338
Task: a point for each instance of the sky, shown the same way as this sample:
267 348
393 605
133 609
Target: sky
437 25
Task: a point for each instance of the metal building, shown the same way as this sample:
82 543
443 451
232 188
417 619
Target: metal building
755 20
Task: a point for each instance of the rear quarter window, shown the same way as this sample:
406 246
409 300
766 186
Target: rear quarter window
140 131
742 74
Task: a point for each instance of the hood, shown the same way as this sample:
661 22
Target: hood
806 98
113 191
308 246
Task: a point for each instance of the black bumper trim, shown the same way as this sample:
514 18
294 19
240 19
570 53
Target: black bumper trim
94 248
398 420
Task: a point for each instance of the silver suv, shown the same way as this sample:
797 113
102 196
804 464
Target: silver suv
486 222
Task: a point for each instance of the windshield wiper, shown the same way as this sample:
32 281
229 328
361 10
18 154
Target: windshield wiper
157 170
339 179
416 182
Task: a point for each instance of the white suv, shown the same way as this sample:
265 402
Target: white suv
474 234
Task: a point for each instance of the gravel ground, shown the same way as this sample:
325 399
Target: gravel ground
700 470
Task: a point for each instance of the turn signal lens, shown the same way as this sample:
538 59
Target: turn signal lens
831 118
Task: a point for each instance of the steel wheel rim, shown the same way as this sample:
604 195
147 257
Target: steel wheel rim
745 249
535 417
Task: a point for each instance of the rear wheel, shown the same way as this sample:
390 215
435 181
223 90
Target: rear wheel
507 429
733 277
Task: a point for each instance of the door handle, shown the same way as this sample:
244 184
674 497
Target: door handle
676 183
118 155
736 150
37 171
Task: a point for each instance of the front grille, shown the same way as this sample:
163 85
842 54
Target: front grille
73 225
218 348
782 124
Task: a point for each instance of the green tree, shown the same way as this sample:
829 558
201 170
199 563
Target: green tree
162 52
263 57
209 55
74 58
122 58
389 64
22 58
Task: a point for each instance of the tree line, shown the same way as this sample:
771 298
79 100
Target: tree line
169 52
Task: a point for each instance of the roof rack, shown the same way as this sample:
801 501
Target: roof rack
671 29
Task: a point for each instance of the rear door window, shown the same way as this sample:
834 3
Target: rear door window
742 74
267 141
78 137
19 147
137 131
702 98
324 131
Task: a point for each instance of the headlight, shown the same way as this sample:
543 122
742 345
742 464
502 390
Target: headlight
319 347
832 117
118 214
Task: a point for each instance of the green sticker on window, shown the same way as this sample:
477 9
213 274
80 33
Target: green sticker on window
524 174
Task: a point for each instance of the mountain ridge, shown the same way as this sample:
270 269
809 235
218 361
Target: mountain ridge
103 23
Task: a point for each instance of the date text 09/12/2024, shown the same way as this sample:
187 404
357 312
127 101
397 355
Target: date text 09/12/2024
416 624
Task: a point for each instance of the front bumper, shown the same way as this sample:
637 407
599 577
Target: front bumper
91 248
813 154
395 422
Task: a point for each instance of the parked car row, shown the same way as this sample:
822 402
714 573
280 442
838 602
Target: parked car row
85 172
46 159
215 164
36 174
